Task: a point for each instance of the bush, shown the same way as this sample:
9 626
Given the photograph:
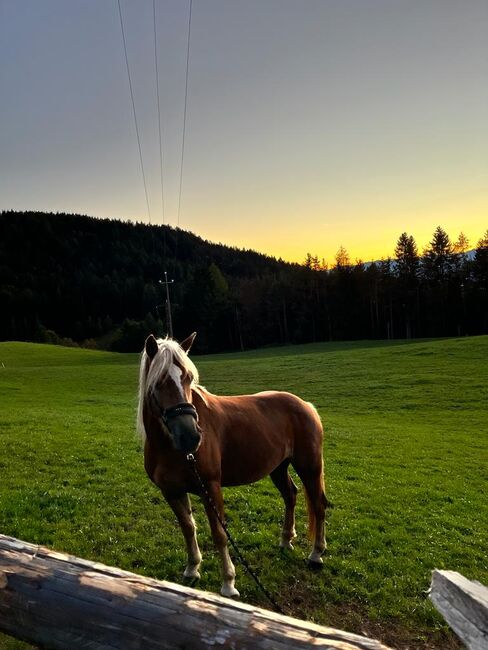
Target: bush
130 337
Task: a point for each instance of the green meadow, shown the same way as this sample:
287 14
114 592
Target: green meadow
406 455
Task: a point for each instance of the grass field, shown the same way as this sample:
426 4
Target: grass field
406 465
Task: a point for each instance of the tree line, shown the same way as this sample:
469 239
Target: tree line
79 280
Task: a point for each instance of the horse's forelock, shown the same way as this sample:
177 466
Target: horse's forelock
177 354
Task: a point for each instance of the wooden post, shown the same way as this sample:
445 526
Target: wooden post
169 317
60 601
464 605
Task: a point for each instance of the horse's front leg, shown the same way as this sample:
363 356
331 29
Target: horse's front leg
216 503
181 506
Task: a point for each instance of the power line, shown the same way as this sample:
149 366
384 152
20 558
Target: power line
159 114
183 135
134 111
184 111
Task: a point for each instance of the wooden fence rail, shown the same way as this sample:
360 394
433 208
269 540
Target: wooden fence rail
464 605
60 601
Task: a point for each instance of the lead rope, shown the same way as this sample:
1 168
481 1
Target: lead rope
240 557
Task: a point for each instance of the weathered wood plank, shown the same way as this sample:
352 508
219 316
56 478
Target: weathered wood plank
60 601
464 605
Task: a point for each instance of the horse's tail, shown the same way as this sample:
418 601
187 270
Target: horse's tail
313 479
320 491
312 519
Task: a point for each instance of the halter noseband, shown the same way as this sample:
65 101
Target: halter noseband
183 408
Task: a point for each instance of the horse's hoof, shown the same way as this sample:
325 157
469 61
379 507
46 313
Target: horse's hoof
314 565
229 591
286 546
191 573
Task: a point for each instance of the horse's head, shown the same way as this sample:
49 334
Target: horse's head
167 390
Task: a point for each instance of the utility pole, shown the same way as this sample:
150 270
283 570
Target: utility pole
169 319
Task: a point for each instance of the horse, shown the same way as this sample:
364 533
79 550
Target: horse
233 441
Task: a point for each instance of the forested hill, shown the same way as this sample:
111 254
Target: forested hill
71 278
86 278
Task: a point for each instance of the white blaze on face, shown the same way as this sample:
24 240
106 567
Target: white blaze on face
176 373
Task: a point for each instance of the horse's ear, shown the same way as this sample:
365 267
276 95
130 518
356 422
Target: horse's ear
188 342
151 346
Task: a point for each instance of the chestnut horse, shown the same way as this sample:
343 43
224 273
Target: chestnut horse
235 440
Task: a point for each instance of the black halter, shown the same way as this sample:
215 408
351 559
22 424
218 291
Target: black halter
183 408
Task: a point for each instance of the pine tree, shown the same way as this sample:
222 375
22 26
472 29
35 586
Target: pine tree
438 267
437 259
461 245
406 270
480 266
342 258
406 258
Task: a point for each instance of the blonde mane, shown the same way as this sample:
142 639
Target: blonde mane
155 371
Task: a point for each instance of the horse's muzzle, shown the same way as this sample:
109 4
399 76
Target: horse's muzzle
186 433
182 422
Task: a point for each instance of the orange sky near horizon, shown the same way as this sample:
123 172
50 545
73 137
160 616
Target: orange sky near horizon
290 225
367 237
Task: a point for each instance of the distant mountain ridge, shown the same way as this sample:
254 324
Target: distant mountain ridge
470 255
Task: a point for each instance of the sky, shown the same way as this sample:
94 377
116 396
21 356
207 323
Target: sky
311 124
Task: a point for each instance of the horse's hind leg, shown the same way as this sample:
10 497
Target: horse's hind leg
181 506
318 503
288 490
313 482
